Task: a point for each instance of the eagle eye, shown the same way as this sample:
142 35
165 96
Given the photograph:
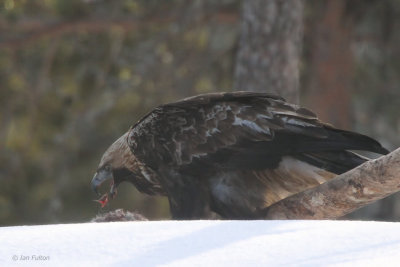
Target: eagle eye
107 168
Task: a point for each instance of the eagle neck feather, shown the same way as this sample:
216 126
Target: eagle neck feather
119 155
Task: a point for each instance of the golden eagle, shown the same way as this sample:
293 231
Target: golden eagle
231 153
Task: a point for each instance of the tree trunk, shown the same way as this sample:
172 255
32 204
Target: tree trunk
270 47
331 64
267 61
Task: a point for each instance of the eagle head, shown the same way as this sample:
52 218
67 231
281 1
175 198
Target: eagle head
116 165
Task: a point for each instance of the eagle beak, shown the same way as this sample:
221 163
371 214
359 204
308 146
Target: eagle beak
99 178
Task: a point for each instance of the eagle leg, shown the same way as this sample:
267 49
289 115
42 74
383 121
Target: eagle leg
188 198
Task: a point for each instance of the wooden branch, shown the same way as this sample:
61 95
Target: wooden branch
371 181
99 25
64 27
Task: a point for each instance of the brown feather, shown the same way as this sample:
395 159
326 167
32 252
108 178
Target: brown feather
233 153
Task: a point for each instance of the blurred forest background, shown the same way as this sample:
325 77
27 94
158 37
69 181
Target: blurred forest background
76 74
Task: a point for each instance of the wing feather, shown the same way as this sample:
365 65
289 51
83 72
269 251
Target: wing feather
240 152
241 126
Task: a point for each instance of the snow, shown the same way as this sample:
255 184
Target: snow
203 243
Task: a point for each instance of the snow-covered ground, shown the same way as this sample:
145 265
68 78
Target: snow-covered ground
203 243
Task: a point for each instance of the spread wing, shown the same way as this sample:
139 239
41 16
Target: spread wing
252 138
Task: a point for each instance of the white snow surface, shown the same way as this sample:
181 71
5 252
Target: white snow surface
203 243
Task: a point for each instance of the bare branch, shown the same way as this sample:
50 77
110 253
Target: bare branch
371 181
38 31
61 28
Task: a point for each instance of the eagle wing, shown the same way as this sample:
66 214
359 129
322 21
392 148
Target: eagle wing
246 133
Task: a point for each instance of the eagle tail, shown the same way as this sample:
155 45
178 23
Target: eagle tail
342 139
337 162
332 153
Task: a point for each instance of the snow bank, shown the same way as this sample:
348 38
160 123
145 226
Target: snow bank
203 243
